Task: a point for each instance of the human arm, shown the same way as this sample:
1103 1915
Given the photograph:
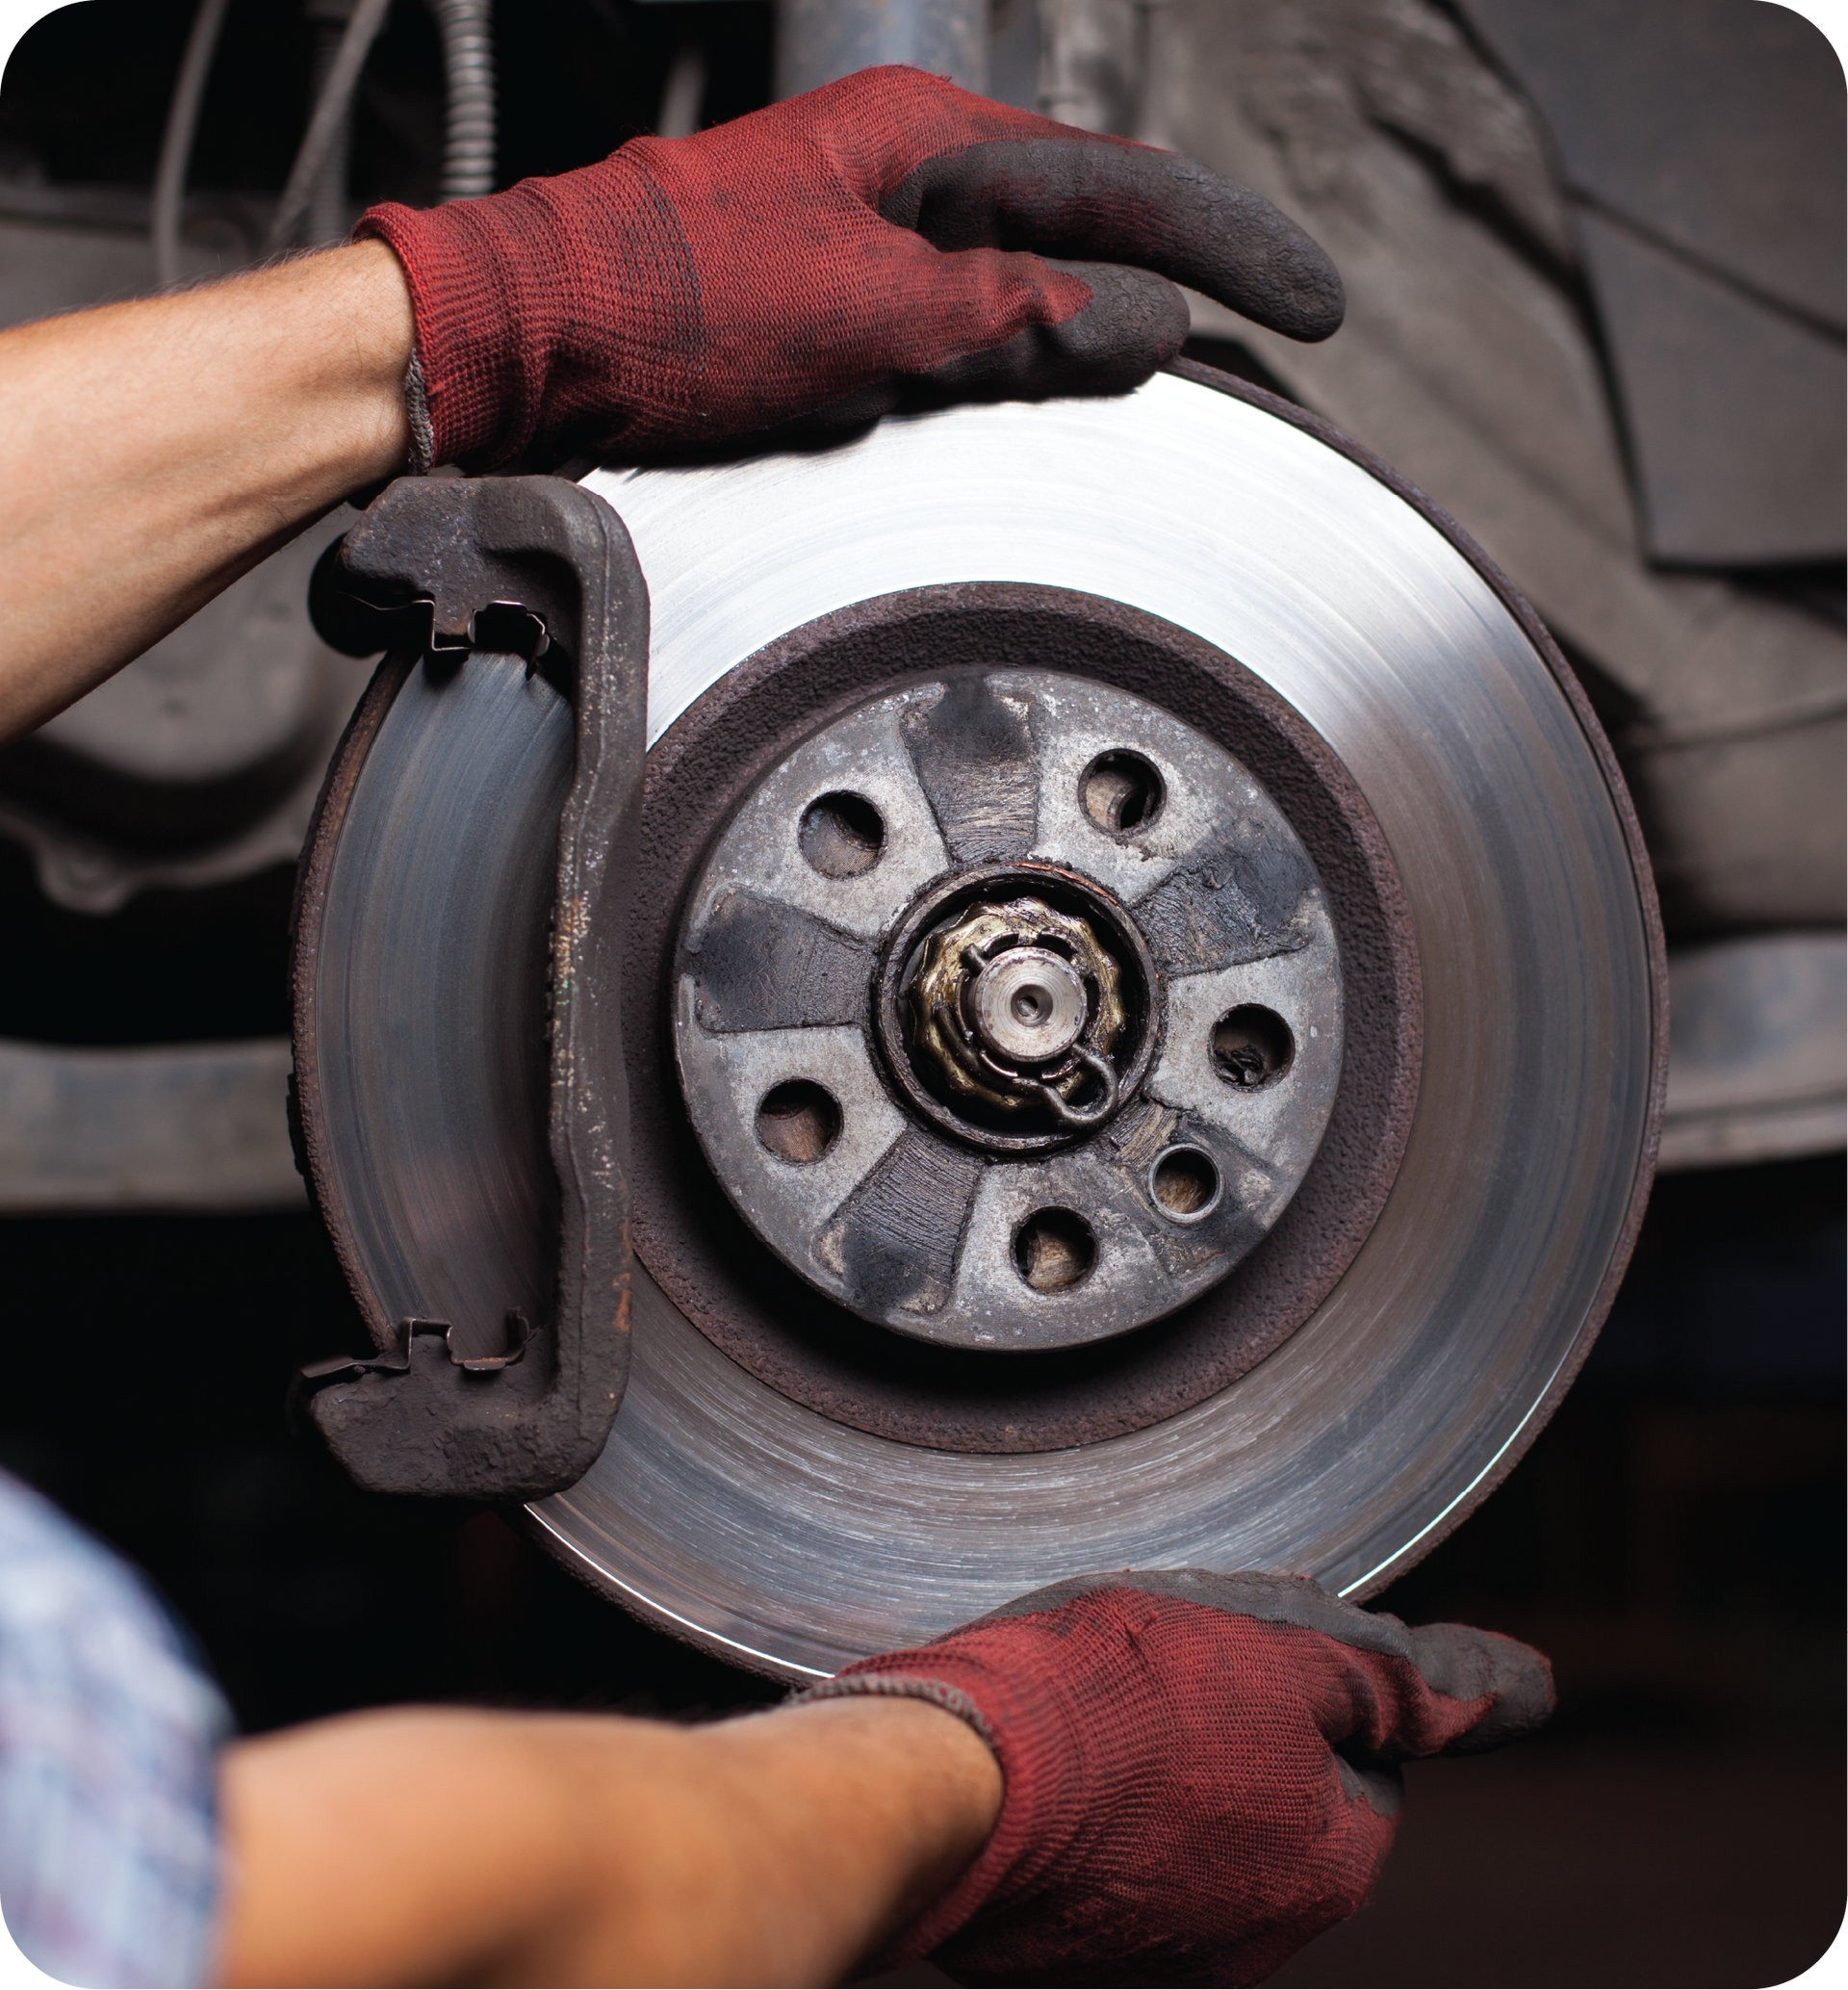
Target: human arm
1173 1777
438 1846
875 245
155 450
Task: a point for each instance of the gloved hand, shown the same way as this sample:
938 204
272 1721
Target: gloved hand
856 250
1199 1769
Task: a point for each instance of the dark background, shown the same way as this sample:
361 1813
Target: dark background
1673 1539
87 89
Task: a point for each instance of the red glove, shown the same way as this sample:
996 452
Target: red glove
1198 1769
856 250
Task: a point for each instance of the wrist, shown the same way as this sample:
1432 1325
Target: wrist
924 1778
338 326
858 1812
388 353
1020 1685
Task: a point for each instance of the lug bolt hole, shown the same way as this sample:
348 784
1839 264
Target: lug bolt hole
798 1120
1251 1046
1122 794
843 835
1054 1249
1185 1183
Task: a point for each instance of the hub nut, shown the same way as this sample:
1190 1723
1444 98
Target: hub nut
1017 1008
1028 1005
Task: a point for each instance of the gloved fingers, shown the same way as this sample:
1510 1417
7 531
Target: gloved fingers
1095 200
1470 1692
1394 1692
1359 1810
991 324
1467 1665
1282 1599
1387 1692
1381 1792
1384 1694
1134 322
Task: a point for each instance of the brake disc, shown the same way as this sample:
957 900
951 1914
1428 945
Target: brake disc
1406 1106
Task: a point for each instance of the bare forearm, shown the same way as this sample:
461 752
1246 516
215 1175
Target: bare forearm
459 1846
154 450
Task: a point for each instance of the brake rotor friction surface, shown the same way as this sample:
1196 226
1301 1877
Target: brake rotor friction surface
1021 1132
747 1520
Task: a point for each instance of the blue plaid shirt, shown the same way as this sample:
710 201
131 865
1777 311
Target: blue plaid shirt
108 1846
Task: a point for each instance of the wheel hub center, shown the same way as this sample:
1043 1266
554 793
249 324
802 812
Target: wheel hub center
1016 1007
1028 1005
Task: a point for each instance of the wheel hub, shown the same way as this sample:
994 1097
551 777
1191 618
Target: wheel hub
1020 1009
1026 1003
959 1022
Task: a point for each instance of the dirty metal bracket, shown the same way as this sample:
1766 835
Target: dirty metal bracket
532 566
397 1359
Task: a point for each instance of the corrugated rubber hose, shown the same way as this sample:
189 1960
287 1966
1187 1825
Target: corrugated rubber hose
468 64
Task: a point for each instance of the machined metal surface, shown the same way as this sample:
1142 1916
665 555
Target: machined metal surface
1010 1012
1472 366
1029 1130
787 1539
1026 1003
784 1331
